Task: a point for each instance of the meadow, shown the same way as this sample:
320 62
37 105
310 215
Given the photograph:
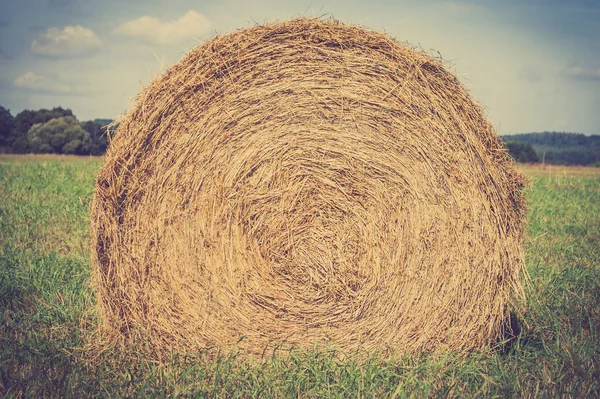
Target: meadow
47 318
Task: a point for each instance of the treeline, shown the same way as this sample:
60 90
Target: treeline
55 131
522 152
558 148
58 131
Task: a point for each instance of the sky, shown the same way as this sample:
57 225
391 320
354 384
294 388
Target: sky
533 64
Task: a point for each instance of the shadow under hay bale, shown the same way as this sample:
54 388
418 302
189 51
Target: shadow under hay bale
305 181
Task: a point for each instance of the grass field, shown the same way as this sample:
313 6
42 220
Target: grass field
47 319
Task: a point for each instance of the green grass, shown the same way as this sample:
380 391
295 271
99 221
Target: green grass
47 317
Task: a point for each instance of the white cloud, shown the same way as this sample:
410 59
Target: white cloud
152 30
577 71
33 82
69 41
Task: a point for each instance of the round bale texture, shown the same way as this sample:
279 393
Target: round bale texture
306 181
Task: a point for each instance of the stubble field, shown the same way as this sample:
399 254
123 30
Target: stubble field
47 318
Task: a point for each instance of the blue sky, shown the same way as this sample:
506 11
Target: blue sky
533 64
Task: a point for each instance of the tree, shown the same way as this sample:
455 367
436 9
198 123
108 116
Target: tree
20 146
562 148
522 152
97 130
6 125
62 135
27 118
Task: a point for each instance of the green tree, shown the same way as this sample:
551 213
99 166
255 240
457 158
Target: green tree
522 152
25 119
62 135
20 146
560 147
97 130
6 126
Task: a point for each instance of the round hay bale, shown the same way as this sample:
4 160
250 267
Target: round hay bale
305 181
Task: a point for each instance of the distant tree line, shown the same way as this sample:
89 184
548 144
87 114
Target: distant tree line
558 148
58 131
555 139
55 131
522 152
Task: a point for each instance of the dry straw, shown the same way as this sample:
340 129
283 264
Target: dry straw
306 181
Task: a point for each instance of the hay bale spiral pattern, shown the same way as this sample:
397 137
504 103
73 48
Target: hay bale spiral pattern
305 181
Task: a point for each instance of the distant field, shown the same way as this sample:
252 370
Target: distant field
558 170
47 319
